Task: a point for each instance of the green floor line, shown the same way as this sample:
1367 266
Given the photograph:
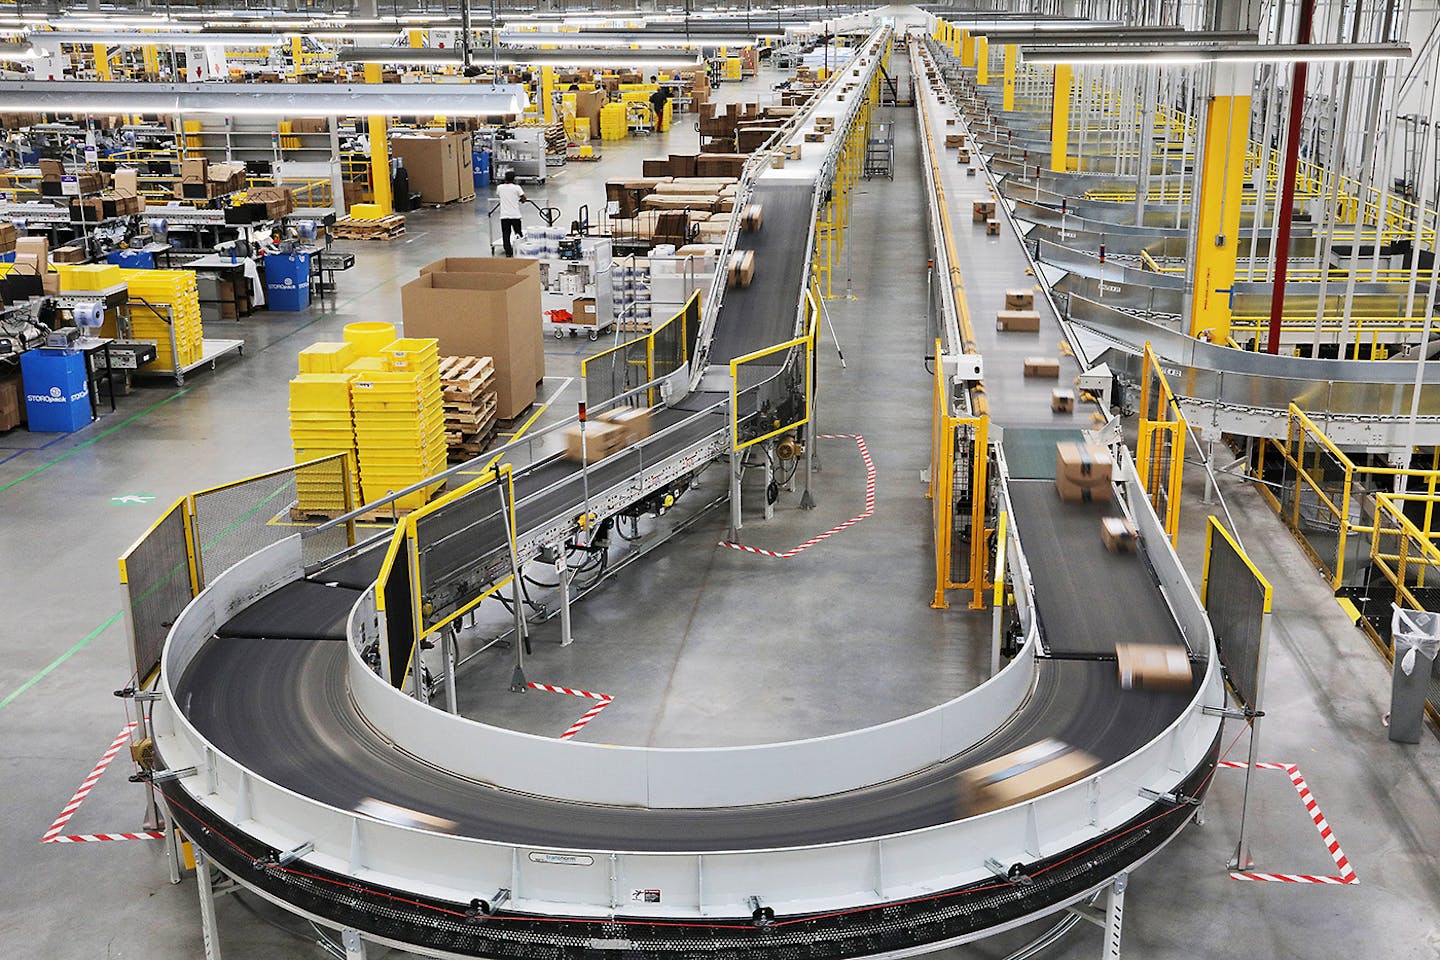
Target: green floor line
85 641
95 439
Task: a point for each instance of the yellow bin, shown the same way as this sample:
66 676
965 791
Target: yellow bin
369 336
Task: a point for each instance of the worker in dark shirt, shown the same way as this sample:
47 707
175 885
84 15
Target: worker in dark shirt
658 99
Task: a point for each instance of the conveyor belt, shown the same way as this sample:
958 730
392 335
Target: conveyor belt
764 313
301 610
282 708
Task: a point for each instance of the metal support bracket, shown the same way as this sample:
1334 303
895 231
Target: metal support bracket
480 909
353 944
285 858
760 915
1015 873
163 776
1172 798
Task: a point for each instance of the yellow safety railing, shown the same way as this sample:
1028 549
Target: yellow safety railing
1160 448
625 366
1324 496
807 341
424 624
949 436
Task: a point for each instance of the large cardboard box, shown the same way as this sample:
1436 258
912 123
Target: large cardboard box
1085 463
12 410
507 266
433 164
635 421
1153 666
587 106
1023 775
1072 492
464 163
1019 299
479 315
1118 534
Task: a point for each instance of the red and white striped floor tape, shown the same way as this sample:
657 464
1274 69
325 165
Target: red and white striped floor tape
1346 877
53 834
869 506
574 728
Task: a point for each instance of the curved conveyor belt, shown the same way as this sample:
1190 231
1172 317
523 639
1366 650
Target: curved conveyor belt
269 691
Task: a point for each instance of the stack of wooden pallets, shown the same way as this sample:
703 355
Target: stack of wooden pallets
468 388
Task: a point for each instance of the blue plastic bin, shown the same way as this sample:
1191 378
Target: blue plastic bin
132 259
480 165
57 398
287 281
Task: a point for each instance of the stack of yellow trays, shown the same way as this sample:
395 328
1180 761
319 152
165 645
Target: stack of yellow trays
421 356
613 125
88 276
321 425
397 435
160 289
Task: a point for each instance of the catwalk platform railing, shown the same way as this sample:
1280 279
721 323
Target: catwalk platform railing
1405 554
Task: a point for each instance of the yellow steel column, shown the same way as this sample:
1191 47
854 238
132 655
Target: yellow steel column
295 52
152 58
547 94
1008 97
967 49
1222 179
982 60
417 38
1060 120
379 152
102 61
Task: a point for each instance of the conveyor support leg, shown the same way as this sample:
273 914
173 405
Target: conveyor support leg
737 458
354 946
208 929
1115 916
562 573
452 653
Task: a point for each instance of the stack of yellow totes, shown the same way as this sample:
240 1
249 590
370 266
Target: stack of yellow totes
400 422
321 425
159 289
613 124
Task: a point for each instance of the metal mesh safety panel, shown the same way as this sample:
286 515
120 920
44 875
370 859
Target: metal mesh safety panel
234 521
463 549
157 587
616 371
1235 604
394 592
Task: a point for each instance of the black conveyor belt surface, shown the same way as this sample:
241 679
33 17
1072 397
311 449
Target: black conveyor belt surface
1088 597
282 709
300 610
763 313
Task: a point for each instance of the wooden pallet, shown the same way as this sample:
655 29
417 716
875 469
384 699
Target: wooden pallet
379 515
464 379
464 447
470 417
386 228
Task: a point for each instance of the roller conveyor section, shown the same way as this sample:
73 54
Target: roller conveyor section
764 313
1079 585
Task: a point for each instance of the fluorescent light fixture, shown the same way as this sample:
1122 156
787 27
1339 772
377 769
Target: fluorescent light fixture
1098 33
518 57
264 99
165 38
1237 53
618 40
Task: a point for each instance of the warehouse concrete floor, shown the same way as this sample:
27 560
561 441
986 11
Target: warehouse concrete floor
698 644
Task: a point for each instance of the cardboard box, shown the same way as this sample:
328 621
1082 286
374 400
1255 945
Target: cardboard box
1062 400
1071 492
1084 463
741 268
1153 666
464 163
127 182
1047 368
1023 775
1019 299
51 171
954 139
529 306
1018 321
309 125
68 255
1118 534
982 210
7 237
194 170
655 166
992 227
34 250
814 136
751 218
433 165
583 310
598 441
484 314
635 421
11 407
